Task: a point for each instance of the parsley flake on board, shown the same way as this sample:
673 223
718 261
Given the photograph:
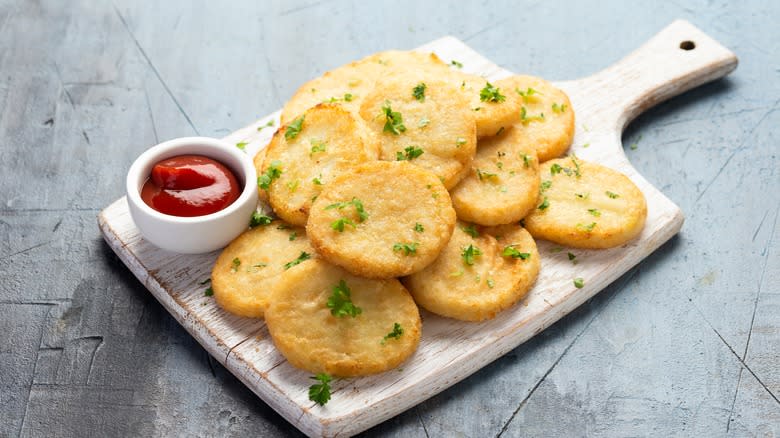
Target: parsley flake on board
407 248
418 92
273 172
320 392
395 334
258 219
303 256
205 282
491 94
241 145
340 302
511 251
456 64
579 282
271 123
293 129
409 153
208 292
394 122
469 253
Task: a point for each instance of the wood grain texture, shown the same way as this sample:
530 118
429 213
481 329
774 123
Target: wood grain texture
450 350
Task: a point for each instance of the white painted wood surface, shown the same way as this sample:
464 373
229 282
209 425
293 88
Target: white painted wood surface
449 350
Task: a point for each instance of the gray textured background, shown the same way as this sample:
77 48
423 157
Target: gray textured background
687 343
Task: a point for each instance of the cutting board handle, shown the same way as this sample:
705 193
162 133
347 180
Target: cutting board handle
678 58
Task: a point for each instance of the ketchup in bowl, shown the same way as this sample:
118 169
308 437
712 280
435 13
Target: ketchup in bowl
190 185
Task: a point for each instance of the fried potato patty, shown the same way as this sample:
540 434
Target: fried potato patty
349 84
495 106
546 117
480 273
586 205
382 219
304 324
504 182
424 121
248 269
323 143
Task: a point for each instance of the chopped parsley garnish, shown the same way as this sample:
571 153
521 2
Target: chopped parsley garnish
576 166
394 122
490 283
555 168
491 94
579 282
362 215
270 124
340 302
320 392
235 264
259 219
500 165
500 130
419 91
584 195
338 225
545 203
423 122
525 118
460 141
556 249
293 185
545 185
303 256
273 172
419 227
471 230
571 256
456 64
409 153
395 334
526 160
612 195
317 181
293 236
528 94
589 227
511 251
559 108
205 282
482 175
208 292
586 145
469 253
595 212
317 146
407 248
241 145
293 129
456 273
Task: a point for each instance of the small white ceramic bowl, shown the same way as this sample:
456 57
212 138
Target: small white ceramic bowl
199 234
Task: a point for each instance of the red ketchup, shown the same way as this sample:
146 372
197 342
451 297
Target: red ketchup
190 185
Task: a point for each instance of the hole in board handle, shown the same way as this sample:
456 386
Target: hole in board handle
687 45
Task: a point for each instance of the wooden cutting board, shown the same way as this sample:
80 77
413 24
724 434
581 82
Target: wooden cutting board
679 58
